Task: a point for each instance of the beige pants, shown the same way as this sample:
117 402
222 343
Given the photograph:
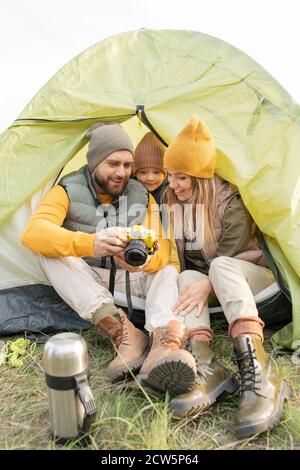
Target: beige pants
85 288
235 282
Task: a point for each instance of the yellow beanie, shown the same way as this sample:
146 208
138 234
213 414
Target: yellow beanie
193 151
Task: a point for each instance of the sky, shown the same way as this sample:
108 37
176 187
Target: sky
38 37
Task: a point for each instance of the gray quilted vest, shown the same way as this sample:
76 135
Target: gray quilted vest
87 214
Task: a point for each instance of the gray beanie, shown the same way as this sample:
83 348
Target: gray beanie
106 138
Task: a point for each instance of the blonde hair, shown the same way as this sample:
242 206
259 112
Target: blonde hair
203 191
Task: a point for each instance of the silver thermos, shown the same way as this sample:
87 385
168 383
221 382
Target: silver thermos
71 403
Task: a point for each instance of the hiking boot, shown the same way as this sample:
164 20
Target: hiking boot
262 390
168 367
131 344
212 381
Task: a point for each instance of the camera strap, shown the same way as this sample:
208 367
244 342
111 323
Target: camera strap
112 276
128 296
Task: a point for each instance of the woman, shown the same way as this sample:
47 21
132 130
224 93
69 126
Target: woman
220 261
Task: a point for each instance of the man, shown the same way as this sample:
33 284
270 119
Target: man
75 232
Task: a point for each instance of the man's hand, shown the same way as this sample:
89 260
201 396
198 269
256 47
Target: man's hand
109 242
120 261
193 295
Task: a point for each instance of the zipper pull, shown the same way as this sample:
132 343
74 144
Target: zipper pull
140 120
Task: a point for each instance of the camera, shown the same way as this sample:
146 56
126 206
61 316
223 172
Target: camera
142 242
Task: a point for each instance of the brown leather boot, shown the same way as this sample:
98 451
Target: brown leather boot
168 367
211 382
131 344
262 390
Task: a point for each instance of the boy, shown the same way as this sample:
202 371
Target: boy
149 170
148 165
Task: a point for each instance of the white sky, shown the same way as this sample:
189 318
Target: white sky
37 37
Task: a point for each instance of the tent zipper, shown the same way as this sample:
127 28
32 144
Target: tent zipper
140 112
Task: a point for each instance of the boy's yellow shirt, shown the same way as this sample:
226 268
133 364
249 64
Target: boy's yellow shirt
45 235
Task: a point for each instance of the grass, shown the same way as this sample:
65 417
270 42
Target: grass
128 417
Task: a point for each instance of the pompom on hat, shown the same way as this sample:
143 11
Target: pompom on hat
193 151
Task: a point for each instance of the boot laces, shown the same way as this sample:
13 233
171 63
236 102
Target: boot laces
122 335
203 372
171 341
249 374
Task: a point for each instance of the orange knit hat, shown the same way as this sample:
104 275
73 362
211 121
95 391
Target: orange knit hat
193 151
149 153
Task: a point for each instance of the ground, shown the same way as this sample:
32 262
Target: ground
130 418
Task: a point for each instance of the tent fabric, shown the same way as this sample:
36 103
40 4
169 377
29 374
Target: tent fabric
37 308
173 74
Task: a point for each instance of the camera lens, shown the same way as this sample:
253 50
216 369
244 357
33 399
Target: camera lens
136 253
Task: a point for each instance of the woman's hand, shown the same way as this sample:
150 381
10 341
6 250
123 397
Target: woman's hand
193 295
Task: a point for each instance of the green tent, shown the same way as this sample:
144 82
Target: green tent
161 78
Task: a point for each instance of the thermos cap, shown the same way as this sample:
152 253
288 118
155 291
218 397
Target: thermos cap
65 355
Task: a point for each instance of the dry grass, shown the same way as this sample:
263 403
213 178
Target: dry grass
128 417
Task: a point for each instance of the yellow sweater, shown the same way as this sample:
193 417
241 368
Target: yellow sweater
45 235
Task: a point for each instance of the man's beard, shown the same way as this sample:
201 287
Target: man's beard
106 187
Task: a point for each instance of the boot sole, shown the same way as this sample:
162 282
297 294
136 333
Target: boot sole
128 369
257 428
174 377
181 409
